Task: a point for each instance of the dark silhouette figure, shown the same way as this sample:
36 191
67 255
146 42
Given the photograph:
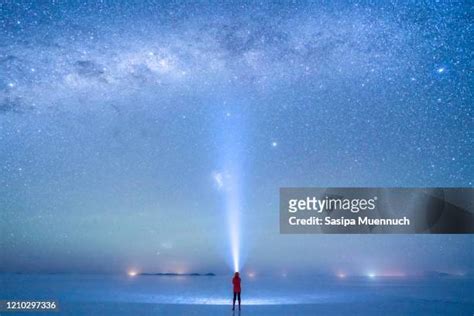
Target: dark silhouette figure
236 283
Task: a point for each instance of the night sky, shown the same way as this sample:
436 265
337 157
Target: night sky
121 123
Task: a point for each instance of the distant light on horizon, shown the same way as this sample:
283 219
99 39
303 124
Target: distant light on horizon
132 273
341 275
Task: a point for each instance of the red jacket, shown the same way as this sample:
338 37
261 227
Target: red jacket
236 283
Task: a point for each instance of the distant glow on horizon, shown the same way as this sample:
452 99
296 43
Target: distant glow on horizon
132 273
395 274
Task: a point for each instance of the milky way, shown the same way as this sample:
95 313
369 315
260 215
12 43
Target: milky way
116 119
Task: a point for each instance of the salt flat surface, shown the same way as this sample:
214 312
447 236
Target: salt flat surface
143 295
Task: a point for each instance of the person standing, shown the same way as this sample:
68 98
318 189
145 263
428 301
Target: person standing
237 289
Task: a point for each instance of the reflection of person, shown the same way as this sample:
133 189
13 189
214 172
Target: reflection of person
236 283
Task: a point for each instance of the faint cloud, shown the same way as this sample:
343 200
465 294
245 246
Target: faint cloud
166 245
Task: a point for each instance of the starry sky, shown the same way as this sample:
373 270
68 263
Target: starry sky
120 123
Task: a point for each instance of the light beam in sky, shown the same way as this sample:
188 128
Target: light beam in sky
229 180
234 225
